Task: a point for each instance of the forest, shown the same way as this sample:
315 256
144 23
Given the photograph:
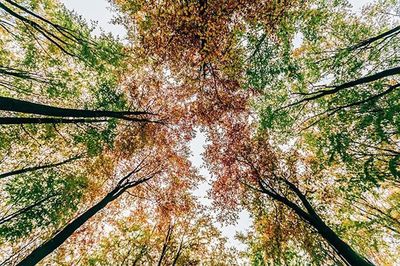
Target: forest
299 102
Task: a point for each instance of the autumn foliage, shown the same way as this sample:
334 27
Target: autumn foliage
298 102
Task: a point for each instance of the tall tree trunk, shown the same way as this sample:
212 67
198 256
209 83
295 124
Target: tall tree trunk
140 255
341 247
58 239
47 120
363 80
311 216
40 167
23 210
178 253
20 106
51 36
165 245
391 32
46 248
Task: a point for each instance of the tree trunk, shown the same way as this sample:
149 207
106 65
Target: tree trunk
46 120
140 255
367 42
310 215
341 247
178 253
45 249
364 80
50 36
28 208
20 106
35 168
165 245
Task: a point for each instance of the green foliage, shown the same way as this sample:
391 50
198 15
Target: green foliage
345 141
82 72
86 78
61 195
95 140
356 126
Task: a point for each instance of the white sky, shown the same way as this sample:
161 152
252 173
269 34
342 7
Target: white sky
100 11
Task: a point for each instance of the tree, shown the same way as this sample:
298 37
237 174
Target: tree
337 91
279 237
237 159
206 34
298 102
14 105
54 69
39 200
124 183
187 239
42 44
35 168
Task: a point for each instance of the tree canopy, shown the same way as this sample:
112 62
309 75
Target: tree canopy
299 102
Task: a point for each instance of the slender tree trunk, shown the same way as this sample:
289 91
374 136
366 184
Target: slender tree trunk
165 245
47 34
310 216
367 79
21 74
20 106
59 238
35 168
178 253
46 248
140 255
59 37
383 74
367 42
363 80
28 208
